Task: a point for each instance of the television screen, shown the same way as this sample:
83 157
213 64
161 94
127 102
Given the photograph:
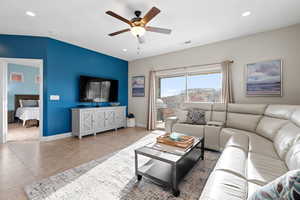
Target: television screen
93 89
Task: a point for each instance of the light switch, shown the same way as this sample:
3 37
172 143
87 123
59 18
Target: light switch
54 97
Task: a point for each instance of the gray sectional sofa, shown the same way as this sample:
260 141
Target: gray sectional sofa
259 143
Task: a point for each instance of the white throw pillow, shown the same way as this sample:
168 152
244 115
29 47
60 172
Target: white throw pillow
182 115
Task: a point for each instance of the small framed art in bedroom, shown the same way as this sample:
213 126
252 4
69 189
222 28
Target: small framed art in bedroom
16 77
264 78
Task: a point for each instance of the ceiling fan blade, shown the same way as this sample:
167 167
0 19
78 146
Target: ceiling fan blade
118 32
111 13
150 15
158 30
141 39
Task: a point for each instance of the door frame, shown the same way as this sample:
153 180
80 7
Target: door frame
3 90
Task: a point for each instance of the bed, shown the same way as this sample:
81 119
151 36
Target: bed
27 113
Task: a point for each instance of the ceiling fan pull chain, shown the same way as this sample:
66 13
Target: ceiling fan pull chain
138 52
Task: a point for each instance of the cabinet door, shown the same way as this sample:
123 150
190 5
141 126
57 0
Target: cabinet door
109 119
99 120
120 117
86 121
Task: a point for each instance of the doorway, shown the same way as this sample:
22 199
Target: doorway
21 103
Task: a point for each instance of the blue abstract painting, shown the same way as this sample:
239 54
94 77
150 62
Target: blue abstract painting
264 78
138 86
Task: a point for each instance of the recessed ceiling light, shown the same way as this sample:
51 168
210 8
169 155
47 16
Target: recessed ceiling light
247 13
31 14
124 50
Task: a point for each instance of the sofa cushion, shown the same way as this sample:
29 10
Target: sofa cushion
296 116
284 187
189 129
219 116
292 158
224 185
233 160
285 138
255 109
262 169
269 126
247 122
280 111
219 112
257 143
240 141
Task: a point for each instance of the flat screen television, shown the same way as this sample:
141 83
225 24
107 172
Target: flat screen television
93 89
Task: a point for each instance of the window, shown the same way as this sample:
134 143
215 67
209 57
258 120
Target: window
172 91
204 87
175 90
196 87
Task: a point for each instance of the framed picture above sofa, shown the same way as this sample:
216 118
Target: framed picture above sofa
264 78
138 86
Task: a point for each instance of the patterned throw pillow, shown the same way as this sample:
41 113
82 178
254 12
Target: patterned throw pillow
196 116
286 187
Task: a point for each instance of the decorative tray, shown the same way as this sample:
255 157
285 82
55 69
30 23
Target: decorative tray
184 141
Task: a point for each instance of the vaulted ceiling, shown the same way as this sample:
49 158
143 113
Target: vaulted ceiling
84 22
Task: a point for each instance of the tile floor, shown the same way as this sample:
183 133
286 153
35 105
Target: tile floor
23 162
18 132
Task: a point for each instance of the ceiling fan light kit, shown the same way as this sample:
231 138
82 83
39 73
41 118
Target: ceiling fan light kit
138 31
138 25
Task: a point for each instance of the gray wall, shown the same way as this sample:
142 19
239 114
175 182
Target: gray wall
283 43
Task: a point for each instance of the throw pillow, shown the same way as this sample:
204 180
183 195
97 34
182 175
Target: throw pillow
286 187
181 115
196 116
29 103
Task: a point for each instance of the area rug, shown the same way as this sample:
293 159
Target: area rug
113 178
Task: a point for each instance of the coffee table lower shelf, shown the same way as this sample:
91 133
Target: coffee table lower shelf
167 172
155 169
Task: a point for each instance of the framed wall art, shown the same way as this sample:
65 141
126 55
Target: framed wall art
138 86
16 77
264 78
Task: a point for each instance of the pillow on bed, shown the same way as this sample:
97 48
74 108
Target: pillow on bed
29 103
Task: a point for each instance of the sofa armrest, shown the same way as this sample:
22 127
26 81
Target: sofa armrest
169 123
212 135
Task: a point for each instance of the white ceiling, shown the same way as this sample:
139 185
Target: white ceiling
84 22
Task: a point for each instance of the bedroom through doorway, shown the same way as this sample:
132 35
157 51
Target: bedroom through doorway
21 110
23 83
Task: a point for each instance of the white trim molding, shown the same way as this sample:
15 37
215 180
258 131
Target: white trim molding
56 136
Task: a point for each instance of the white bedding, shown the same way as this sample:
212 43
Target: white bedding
27 113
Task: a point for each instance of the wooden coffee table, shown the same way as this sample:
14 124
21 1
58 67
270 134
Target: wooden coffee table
168 167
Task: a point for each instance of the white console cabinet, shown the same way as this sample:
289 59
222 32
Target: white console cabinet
86 121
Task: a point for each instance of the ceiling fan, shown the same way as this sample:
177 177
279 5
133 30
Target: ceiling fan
138 25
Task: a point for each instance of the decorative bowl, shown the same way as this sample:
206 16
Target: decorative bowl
176 136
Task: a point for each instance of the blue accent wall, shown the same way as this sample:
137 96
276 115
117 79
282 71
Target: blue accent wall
63 64
28 86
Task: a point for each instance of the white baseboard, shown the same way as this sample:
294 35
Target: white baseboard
141 125
56 137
